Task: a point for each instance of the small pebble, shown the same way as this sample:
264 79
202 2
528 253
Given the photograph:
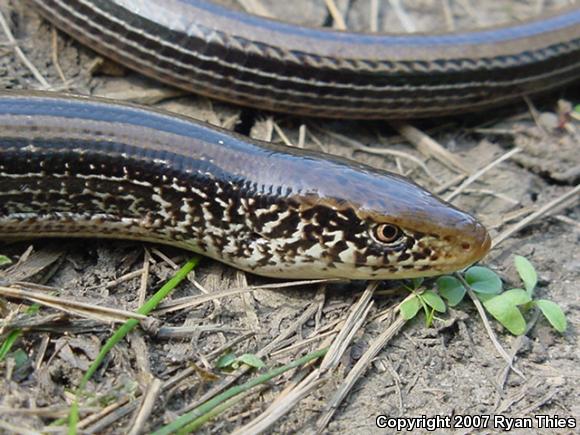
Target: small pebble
549 121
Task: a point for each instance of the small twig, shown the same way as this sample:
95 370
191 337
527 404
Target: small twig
540 402
144 278
450 183
479 173
513 216
318 142
397 380
165 258
269 134
55 60
398 154
380 151
546 208
490 192
535 115
41 351
96 423
517 346
568 221
121 279
487 325
429 147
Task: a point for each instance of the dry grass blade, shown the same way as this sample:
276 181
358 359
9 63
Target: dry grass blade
403 17
31 263
69 306
541 401
144 278
48 411
115 282
120 409
140 95
356 318
147 405
400 154
517 345
489 192
55 60
448 14
188 331
115 412
281 407
479 173
450 183
256 7
20 54
19 430
487 325
99 416
546 208
374 16
303 343
565 219
230 379
381 152
336 15
28 322
301 135
430 147
357 371
192 301
282 135
170 262
191 421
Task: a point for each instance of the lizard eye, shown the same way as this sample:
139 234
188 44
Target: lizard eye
387 233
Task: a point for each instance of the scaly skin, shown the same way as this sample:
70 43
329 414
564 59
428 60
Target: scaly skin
79 167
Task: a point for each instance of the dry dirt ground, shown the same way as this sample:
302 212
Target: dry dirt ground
449 369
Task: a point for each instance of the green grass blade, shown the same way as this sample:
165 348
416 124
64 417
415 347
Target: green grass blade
74 418
14 335
181 424
198 422
9 342
4 260
146 308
